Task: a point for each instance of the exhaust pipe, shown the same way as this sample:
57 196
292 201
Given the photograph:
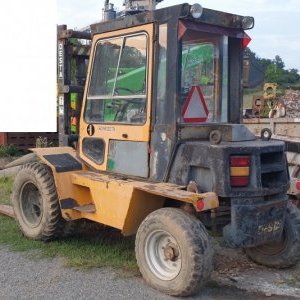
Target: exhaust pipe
108 12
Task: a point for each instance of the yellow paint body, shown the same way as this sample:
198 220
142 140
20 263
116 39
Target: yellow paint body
120 203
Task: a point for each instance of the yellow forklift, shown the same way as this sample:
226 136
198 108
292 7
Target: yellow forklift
161 152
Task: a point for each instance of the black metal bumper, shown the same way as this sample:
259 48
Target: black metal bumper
253 224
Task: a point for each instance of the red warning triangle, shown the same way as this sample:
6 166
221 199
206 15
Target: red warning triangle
195 108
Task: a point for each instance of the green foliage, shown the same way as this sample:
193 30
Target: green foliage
265 62
279 62
132 58
198 64
74 68
9 150
6 185
292 76
204 80
102 249
274 69
281 76
274 74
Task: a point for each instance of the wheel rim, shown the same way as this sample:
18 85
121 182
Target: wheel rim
31 204
163 255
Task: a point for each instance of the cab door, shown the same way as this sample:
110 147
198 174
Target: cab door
115 119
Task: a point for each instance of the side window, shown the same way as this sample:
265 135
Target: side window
117 92
105 67
131 77
198 69
198 65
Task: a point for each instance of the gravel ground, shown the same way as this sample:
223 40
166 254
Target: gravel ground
23 277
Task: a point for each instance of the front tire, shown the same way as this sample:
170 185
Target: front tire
174 252
284 253
35 202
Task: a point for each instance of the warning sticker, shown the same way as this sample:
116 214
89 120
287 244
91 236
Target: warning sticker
195 108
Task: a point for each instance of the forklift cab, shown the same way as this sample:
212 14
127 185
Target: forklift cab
163 103
152 74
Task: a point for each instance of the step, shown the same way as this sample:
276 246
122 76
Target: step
88 208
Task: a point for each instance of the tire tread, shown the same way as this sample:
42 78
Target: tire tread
197 244
291 254
53 226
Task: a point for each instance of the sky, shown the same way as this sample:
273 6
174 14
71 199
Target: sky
276 31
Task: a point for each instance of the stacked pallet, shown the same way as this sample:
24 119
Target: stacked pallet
26 140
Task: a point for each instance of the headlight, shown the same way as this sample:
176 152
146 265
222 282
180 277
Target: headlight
247 22
196 10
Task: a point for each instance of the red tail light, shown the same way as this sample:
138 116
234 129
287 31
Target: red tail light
239 161
239 170
239 181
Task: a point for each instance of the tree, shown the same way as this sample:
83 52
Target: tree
264 63
274 68
291 76
250 54
279 62
274 74
295 74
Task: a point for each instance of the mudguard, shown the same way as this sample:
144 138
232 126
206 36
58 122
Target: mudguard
254 224
59 159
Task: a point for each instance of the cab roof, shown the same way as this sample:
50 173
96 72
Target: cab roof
168 14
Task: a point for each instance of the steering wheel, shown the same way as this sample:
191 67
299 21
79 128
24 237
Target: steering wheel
132 92
120 113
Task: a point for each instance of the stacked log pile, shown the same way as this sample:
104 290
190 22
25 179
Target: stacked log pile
291 101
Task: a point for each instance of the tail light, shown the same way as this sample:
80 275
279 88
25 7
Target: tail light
239 170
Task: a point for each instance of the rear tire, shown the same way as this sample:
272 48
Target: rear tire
174 252
284 253
35 202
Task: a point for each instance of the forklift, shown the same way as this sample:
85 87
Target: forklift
161 152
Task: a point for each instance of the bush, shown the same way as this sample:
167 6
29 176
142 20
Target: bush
9 150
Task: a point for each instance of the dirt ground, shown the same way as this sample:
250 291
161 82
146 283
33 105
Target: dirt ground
233 268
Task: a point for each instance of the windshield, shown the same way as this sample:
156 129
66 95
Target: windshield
204 83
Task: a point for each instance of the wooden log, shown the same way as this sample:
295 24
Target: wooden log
7 210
